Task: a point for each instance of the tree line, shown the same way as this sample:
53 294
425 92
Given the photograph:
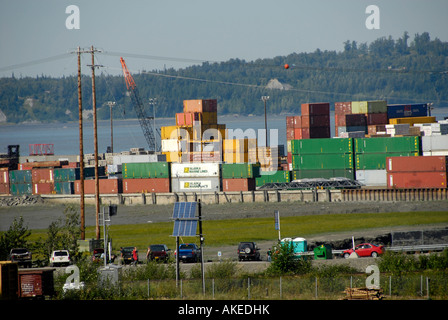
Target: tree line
397 70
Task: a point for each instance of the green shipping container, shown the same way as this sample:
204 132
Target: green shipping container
359 107
324 145
377 106
387 144
72 174
272 176
324 173
377 161
322 161
64 187
19 189
20 176
146 170
240 170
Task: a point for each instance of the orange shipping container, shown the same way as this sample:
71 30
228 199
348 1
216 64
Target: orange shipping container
43 188
238 184
4 188
107 186
42 175
402 180
205 105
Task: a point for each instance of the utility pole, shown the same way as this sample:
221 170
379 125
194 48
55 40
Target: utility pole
265 98
95 141
81 149
111 104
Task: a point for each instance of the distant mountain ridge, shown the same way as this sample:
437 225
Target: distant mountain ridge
393 70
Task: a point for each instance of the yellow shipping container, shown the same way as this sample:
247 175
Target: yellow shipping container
359 107
207 117
176 132
412 120
209 132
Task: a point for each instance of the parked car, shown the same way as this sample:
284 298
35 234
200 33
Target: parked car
365 250
248 251
158 252
189 252
22 256
98 255
59 257
126 255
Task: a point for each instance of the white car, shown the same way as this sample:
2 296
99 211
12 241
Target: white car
59 257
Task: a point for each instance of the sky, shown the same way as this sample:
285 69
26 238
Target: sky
35 39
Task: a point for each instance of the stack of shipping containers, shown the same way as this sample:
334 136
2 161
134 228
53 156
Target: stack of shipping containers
195 177
322 158
43 180
239 176
20 182
144 177
65 178
417 172
371 154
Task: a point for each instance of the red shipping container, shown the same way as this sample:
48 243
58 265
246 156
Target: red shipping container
206 105
297 122
376 118
4 188
42 175
290 133
161 185
289 157
43 188
417 164
289 122
315 108
315 132
4 176
298 133
71 165
322 120
107 186
355 120
238 184
402 180
24 166
341 108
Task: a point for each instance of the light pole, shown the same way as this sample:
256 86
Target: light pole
265 98
111 104
153 102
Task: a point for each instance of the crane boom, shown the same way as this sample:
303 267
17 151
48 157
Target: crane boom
145 124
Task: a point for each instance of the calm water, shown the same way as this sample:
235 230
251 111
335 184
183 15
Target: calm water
128 133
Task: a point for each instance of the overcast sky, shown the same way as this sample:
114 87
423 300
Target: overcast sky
32 31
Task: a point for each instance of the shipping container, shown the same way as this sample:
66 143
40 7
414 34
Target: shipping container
235 157
315 108
322 161
176 132
316 132
377 161
359 107
240 170
403 164
36 283
146 170
247 184
318 120
192 170
387 144
20 176
205 118
106 186
341 108
377 106
207 157
9 280
407 110
402 180
376 118
342 129
4 188
159 185
43 188
326 145
290 134
434 143
272 177
4 175
64 187
372 178
323 173
42 175
412 120
19 189
138 158
293 122
201 105
199 184
209 132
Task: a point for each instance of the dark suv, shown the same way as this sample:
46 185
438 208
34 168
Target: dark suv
158 252
248 251
22 256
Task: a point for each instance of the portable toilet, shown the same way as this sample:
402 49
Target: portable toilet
299 245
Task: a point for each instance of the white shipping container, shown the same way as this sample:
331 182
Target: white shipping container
375 178
436 153
113 168
139 158
171 145
434 143
195 169
203 184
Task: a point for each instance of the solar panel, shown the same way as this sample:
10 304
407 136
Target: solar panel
185 228
184 210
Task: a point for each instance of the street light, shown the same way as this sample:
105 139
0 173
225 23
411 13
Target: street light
111 104
265 98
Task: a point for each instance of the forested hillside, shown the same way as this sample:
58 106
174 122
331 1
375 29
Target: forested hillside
404 70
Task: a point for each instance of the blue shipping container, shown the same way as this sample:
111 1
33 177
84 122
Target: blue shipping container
407 110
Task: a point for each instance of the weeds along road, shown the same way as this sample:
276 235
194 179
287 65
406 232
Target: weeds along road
40 216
